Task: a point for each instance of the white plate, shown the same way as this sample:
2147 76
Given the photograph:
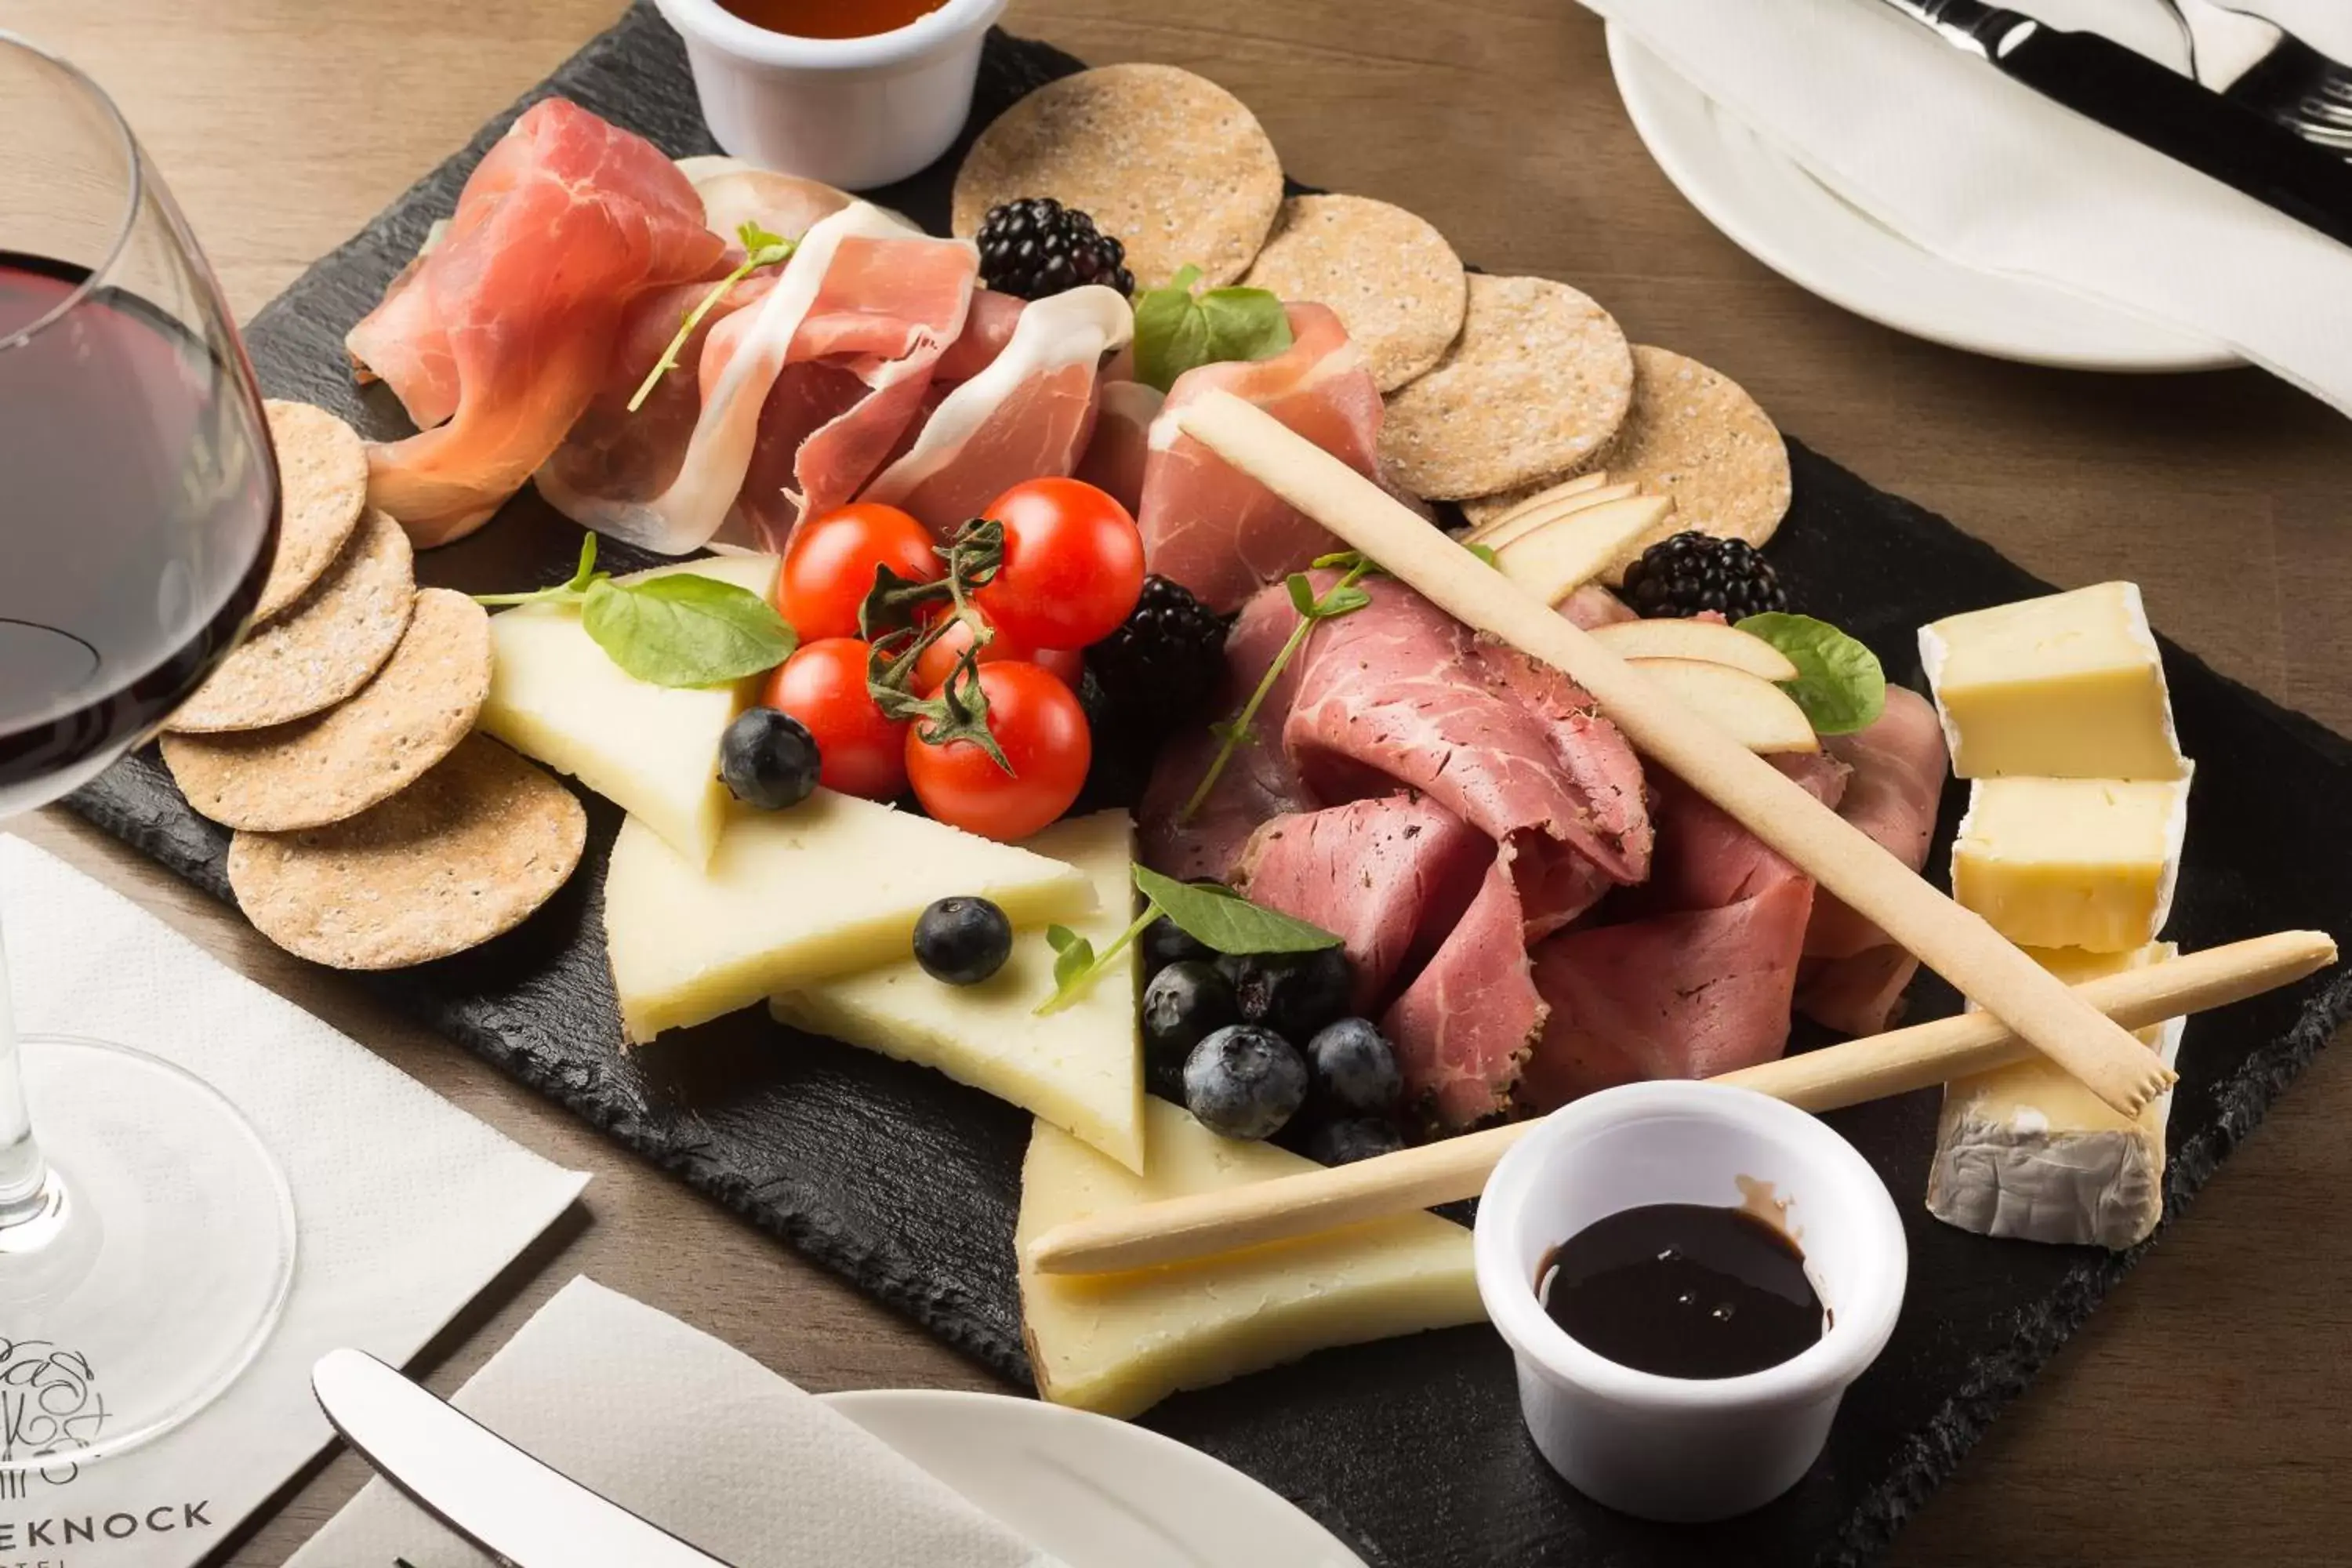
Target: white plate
1782 216
1094 1492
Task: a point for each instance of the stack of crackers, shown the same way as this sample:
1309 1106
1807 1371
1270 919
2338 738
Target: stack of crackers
374 829
1497 388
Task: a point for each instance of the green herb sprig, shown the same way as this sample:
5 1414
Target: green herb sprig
1179 328
1839 684
1212 915
679 629
760 249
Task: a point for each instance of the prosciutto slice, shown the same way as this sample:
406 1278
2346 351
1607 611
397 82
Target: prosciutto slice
1119 454
735 192
1215 529
1466 1028
501 335
1390 876
1026 414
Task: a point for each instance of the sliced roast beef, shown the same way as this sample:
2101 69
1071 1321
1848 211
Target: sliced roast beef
1463 1029
1861 994
1391 877
1593 605
1899 766
1705 859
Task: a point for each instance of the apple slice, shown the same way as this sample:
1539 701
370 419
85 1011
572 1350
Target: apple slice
1551 561
1710 642
1750 709
1483 514
1524 518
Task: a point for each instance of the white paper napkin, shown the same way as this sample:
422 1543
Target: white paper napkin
405 1208
1959 158
690 1433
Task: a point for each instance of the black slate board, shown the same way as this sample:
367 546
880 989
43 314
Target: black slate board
906 1182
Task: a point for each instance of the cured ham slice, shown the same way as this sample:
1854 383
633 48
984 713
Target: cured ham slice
501 335
1026 414
1590 605
988 326
1215 529
804 396
1119 454
735 192
1466 1029
1390 878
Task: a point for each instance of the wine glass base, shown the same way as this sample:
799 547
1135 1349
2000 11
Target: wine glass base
155 1272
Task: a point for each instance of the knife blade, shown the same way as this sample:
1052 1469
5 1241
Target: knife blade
523 1513
2131 94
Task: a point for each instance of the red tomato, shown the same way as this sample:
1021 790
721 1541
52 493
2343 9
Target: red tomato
859 751
829 565
931 668
1037 722
1073 564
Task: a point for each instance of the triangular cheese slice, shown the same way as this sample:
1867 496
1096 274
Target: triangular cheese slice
1118 1344
1081 1068
653 751
790 898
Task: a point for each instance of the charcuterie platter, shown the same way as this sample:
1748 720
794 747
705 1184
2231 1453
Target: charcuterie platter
1410 867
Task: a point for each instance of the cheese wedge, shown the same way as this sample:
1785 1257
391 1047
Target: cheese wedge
653 751
2086 863
2027 1152
2067 686
792 897
1080 1069
1118 1344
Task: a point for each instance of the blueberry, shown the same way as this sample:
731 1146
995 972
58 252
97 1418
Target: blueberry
1354 1071
1345 1142
1294 993
1243 1082
962 942
1165 943
768 759
1185 1003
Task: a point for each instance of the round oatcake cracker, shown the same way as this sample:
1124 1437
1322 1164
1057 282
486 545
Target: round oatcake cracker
1535 386
338 763
323 471
325 649
1397 286
1695 434
464 854
1169 163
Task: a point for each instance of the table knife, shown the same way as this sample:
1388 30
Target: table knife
2129 93
524 1513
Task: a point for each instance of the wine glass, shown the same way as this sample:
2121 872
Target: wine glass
146 1235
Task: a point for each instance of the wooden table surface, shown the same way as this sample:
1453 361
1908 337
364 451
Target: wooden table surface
2205 1412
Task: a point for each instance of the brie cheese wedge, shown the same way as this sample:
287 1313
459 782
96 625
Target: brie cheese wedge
2086 863
1080 1069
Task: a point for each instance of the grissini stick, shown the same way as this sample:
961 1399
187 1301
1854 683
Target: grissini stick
1953 941
1177 1230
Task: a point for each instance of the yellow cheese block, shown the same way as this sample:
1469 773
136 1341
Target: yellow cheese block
1119 1343
795 897
1080 1069
2027 1152
2085 863
2067 686
653 751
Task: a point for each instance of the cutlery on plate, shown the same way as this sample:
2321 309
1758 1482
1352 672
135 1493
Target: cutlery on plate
521 1512
2131 94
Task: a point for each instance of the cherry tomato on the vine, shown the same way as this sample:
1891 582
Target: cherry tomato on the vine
1038 724
829 565
859 751
1073 564
931 668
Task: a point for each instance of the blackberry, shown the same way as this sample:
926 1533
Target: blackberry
1037 246
1163 667
1693 573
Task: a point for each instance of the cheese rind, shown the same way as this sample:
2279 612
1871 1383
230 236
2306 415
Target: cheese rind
1080 1069
651 749
2086 863
2067 686
2027 1152
795 897
1118 1344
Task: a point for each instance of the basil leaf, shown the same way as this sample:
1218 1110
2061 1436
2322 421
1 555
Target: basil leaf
1839 682
1224 921
685 630
1177 330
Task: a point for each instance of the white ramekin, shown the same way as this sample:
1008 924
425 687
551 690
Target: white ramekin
853 113
1686 1449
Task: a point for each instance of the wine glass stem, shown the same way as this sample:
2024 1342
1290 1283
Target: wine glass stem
23 1173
